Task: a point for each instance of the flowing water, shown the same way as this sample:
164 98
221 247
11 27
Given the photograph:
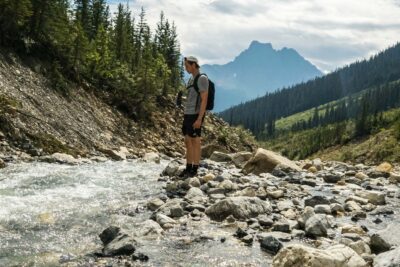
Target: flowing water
50 212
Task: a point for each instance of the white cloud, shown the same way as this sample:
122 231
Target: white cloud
329 33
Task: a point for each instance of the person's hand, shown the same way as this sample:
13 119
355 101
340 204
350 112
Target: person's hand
197 124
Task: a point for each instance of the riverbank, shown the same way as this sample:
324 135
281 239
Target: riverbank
339 213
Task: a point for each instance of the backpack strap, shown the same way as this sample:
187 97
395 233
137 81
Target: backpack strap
195 82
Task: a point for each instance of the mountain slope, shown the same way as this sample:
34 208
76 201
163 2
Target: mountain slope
257 70
38 120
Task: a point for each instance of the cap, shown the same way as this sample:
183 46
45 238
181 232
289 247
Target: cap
192 59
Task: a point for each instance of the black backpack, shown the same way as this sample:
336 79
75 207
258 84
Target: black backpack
211 91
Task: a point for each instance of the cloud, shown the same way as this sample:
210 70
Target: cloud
328 33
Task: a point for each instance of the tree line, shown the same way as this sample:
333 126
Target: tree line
132 66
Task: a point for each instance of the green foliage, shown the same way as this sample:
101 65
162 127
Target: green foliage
132 66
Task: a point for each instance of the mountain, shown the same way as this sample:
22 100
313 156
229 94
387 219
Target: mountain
257 70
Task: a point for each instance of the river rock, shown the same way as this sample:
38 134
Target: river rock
388 259
165 221
228 185
62 158
150 228
374 197
208 177
361 176
317 225
117 242
240 158
271 244
384 239
208 150
171 169
154 204
384 167
334 256
172 208
316 200
239 207
2 164
332 177
394 178
265 161
325 209
151 157
220 157
195 195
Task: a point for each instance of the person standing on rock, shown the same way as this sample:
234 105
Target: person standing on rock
194 113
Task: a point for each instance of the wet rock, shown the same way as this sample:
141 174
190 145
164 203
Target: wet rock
316 200
172 208
140 257
384 239
394 178
333 177
354 229
306 215
317 225
165 221
388 259
2 164
194 182
60 158
117 242
150 228
239 207
154 204
334 256
374 197
265 161
240 158
220 157
336 208
352 206
114 154
109 234
152 157
271 244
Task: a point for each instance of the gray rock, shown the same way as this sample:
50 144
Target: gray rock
317 225
220 157
388 259
154 204
325 209
384 239
195 195
164 220
239 207
116 242
316 200
271 244
240 158
265 161
374 197
334 256
171 169
151 157
332 177
2 164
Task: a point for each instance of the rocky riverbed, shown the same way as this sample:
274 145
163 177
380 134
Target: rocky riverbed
256 209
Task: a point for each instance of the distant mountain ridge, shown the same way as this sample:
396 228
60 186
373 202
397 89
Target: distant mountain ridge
257 70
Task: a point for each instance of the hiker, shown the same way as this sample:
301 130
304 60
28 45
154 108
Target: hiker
194 112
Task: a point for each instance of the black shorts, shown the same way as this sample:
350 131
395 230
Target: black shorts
187 125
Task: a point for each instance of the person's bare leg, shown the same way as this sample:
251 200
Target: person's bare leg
189 150
196 143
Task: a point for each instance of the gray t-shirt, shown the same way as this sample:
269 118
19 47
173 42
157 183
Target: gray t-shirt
193 100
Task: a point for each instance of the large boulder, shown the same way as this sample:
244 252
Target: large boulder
207 150
302 256
220 157
240 158
239 207
384 239
388 259
265 161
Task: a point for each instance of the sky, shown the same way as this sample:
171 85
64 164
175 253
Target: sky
328 33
